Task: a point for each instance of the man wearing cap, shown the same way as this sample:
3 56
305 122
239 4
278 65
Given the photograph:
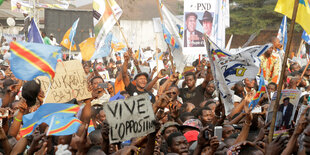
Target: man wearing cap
287 109
192 37
137 86
53 40
206 23
166 130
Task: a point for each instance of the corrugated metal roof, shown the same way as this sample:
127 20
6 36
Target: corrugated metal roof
5 13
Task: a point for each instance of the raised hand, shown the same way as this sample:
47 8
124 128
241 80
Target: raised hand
43 149
22 106
174 111
126 57
174 77
276 146
163 100
161 74
214 143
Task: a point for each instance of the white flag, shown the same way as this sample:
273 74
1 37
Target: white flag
229 69
103 19
175 27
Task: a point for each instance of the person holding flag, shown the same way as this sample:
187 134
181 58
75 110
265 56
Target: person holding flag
34 33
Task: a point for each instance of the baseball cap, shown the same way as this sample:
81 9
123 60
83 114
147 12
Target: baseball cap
167 125
140 74
192 123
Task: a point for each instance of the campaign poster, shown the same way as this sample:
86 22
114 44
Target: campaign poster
20 6
287 107
198 20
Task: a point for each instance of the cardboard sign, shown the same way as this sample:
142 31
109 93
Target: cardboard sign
129 118
69 82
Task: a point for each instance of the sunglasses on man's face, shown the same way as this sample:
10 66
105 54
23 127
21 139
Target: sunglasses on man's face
174 93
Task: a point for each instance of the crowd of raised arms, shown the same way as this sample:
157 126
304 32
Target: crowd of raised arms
190 117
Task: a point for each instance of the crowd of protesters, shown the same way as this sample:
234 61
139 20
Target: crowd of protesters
187 107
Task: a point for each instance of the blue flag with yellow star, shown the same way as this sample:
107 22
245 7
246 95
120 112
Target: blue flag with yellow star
45 113
61 126
29 60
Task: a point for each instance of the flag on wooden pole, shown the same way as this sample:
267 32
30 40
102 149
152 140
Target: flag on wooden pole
303 13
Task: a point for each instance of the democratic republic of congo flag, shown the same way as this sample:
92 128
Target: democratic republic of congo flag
169 38
261 91
61 126
91 127
29 60
219 53
44 115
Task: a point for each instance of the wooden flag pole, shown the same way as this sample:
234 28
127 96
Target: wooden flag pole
119 26
303 73
159 11
171 59
157 56
169 49
284 65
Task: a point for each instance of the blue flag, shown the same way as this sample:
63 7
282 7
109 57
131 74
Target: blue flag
61 126
29 60
34 33
306 37
44 113
105 50
282 33
73 31
118 96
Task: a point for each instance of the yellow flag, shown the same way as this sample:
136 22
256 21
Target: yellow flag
137 54
117 46
303 14
66 41
87 48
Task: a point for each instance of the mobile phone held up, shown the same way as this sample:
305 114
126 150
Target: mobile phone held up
218 130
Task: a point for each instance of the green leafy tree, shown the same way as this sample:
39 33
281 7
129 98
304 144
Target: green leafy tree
250 16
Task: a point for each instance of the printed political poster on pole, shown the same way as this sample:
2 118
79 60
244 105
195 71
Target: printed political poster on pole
198 20
287 107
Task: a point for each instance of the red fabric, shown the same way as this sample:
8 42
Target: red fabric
191 135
